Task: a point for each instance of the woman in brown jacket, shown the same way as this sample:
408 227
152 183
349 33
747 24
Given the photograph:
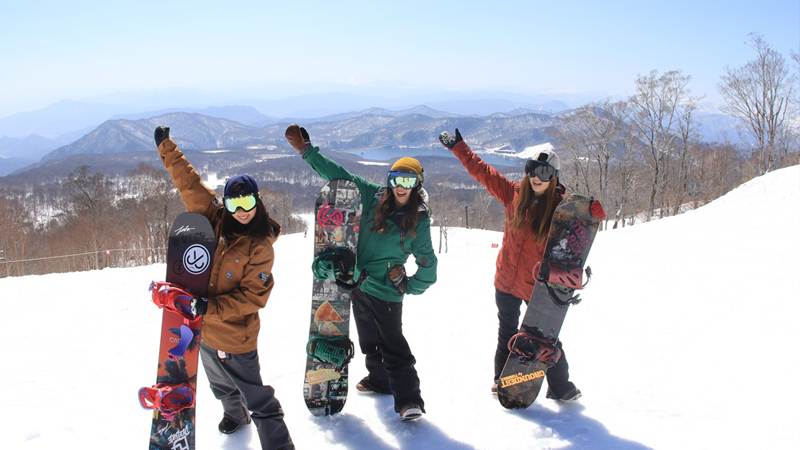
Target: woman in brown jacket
240 284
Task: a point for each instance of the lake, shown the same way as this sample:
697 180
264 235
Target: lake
392 153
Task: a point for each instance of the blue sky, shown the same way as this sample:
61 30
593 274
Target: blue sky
52 50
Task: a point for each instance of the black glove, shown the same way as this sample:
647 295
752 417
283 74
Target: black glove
448 140
397 275
161 133
199 306
298 138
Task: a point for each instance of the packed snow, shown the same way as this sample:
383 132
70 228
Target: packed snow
687 338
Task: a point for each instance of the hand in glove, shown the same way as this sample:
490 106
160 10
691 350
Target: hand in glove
199 306
397 275
161 133
448 140
596 209
298 138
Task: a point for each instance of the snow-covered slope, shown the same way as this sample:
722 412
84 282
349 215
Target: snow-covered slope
687 338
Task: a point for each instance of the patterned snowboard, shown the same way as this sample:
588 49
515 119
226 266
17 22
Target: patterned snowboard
338 218
189 254
571 235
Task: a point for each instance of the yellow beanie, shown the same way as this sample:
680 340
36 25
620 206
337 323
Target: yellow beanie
407 164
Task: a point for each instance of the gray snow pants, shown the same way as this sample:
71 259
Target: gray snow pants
236 381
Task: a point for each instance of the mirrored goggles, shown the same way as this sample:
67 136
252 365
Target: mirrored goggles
406 180
246 202
544 171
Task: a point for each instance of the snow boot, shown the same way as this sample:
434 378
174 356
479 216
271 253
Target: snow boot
570 395
228 426
412 411
367 387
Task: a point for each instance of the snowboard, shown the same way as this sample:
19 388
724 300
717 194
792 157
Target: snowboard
337 214
535 349
189 255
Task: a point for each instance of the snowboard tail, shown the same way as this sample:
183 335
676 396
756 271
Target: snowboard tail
189 254
536 348
329 349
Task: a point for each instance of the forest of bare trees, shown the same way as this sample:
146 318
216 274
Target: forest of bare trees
99 223
642 157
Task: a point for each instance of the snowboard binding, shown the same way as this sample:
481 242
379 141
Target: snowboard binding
568 276
337 263
172 298
561 280
533 348
168 399
176 299
334 350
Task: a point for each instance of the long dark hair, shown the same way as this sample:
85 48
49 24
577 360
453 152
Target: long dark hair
535 213
408 213
259 228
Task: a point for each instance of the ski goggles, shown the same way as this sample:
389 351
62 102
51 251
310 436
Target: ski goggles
246 202
406 180
544 171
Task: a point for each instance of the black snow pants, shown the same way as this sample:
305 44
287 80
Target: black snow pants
508 312
389 360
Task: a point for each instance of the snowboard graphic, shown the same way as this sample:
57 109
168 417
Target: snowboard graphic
329 349
534 349
189 255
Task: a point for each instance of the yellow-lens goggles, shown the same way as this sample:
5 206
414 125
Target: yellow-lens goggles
246 202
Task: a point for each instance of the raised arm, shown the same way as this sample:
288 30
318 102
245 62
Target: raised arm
495 182
325 167
196 196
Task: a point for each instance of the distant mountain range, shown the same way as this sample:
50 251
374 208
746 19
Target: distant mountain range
26 137
374 128
69 116
71 128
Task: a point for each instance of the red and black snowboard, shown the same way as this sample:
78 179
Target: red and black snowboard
172 399
329 348
534 349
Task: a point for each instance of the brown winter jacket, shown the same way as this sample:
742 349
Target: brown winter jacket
241 278
519 253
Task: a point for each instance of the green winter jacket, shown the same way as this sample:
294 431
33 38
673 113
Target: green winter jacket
379 252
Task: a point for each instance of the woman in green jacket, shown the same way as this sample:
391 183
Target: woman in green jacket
395 223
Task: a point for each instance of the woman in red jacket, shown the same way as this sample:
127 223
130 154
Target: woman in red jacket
529 208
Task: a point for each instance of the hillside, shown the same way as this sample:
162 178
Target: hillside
675 310
374 128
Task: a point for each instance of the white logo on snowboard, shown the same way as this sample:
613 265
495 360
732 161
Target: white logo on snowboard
196 259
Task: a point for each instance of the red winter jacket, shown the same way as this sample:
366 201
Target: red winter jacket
519 253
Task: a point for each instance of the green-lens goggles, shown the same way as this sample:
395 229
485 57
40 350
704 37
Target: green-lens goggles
406 180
